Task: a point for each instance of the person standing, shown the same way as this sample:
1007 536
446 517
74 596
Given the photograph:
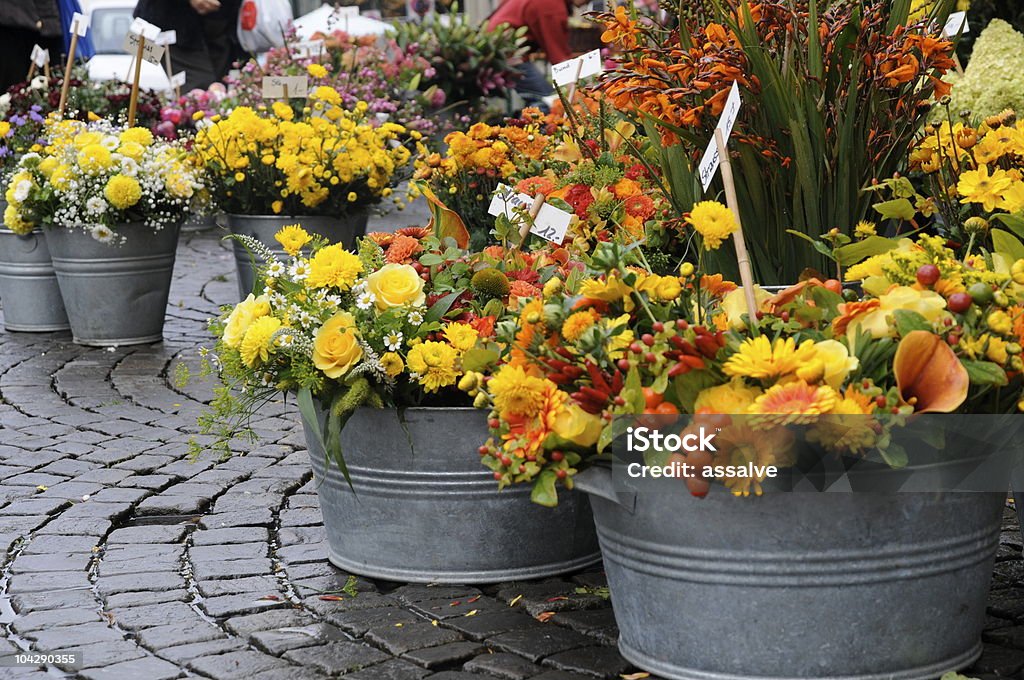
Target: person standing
24 23
547 25
206 30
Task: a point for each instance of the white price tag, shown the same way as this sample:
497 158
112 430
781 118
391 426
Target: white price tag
551 223
586 65
40 56
144 28
274 87
953 24
347 11
151 51
80 23
178 79
309 48
167 38
710 161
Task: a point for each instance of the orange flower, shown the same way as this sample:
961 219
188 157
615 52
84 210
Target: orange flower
522 289
536 185
794 403
848 311
929 375
620 29
402 249
626 187
715 285
381 238
414 232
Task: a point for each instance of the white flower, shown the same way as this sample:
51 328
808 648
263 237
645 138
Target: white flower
31 158
110 142
275 269
298 271
286 340
305 319
129 167
5 102
415 317
267 290
102 233
95 205
359 288
365 301
22 189
393 341
277 300
39 83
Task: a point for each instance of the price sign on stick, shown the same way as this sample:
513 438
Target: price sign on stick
956 25
572 70
79 27
548 222
717 156
151 51
285 87
307 49
141 41
80 24
40 59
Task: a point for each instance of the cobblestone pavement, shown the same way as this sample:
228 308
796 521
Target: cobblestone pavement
154 567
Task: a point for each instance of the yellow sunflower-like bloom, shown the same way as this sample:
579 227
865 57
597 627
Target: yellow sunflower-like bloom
122 191
978 186
732 398
758 358
434 363
334 266
516 393
462 336
137 135
292 238
392 363
713 221
94 158
255 347
578 323
316 71
794 403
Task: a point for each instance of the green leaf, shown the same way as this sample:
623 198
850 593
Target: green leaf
826 300
478 359
895 455
1005 242
896 209
908 321
689 385
633 393
308 411
985 373
544 492
1014 222
861 250
440 308
431 259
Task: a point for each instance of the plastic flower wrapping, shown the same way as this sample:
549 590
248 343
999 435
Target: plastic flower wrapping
98 177
328 160
405 320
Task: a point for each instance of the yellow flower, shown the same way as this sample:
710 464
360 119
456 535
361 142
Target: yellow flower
255 347
5 127
277 207
578 323
611 289
334 266
352 197
794 403
713 221
15 222
1013 198
292 238
283 111
977 186
734 304
137 135
122 191
732 398
336 348
516 393
927 303
836 362
863 229
394 285
47 166
574 424
758 358
316 71
242 316
462 336
662 288
132 150
434 363
94 158
392 363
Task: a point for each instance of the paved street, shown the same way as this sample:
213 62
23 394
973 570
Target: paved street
156 567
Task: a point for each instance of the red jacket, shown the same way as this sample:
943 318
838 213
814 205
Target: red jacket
547 23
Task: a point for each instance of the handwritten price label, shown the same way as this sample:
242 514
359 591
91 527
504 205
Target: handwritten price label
151 51
167 38
274 87
586 65
953 24
710 161
550 223
145 29
40 56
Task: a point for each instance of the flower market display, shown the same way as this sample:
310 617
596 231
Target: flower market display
786 236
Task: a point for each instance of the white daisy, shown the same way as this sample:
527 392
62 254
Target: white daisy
129 167
111 142
415 317
299 271
102 233
365 301
393 341
305 319
275 269
22 189
267 290
95 205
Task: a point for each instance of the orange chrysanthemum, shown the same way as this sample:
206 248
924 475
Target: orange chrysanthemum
381 238
414 232
402 249
522 289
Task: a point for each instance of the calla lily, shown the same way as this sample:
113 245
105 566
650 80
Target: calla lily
929 375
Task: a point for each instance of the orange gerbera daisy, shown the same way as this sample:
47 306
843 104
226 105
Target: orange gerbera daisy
381 238
848 311
794 403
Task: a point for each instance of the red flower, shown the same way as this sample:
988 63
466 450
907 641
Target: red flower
579 197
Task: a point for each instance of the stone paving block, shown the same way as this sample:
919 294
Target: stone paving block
66 637
148 482
269 620
405 637
149 533
293 673
485 625
443 609
120 495
444 655
597 623
336 658
47 545
246 518
182 654
103 654
101 510
44 563
537 643
236 605
565 675
389 670
111 585
178 633
277 642
24 603
218 537
72 490
48 581
256 586
237 665
106 476
235 551
151 615
231 568
327 602
148 667
146 597
601 662
358 622
36 506
55 618
71 526
504 666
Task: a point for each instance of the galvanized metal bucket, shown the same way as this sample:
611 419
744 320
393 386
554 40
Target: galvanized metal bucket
342 230
425 510
28 286
858 586
115 294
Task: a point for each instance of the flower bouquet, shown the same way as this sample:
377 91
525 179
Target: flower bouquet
107 195
375 346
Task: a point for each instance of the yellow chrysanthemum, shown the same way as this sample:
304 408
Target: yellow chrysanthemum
462 336
392 363
578 323
516 393
15 222
137 135
242 316
292 238
759 359
713 221
122 191
978 186
255 347
732 398
434 364
316 71
334 266
94 158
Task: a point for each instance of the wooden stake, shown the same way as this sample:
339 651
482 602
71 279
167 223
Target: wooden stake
46 69
167 66
31 70
572 85
67 70
742 258
524 231
133 102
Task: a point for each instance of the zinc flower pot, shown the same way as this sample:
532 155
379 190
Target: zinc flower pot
344 230
859 586
115 294
28 285
422 509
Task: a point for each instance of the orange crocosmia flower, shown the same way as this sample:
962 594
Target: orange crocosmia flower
715 285
900 71
848 311
402 249
483 325
620 30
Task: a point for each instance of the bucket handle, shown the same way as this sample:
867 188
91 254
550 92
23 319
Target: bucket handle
597 481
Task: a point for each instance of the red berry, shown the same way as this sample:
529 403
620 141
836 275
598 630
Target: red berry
636 348
417 266
759 315
506 461
483 450
623 365
959 302
784 316
498 475
658 326
522 468
557 456
561 474
648 339
928 274
952 339
682 324
494 423
619 401
947 322
880 401
425 276
650 357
